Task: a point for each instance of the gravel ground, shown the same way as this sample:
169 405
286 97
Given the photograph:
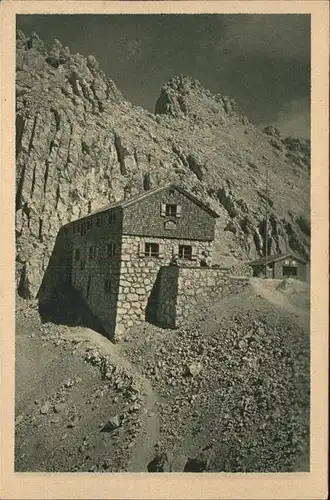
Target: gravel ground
227 391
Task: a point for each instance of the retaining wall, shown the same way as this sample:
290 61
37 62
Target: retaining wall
181 289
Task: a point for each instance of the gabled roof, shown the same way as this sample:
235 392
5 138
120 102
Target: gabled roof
135 199
276 258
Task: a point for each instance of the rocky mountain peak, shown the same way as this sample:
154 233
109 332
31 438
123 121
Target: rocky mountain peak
79 143
183 96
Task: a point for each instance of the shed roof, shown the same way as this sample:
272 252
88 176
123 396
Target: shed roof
276 258
141 196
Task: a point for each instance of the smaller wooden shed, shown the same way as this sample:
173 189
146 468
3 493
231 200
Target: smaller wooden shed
282 266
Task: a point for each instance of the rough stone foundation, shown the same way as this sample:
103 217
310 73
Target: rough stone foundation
182 287
138 292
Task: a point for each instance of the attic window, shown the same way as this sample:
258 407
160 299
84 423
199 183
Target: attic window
170 210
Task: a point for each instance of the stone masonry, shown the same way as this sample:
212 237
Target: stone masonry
182 287
117 253
138 277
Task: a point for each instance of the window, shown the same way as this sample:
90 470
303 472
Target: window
89 224
170 210
185 252
107 286
74 229
98 222
151 250
111 218
77 254
289 271
92 252
111 249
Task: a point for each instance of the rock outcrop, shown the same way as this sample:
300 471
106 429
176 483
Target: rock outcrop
79 143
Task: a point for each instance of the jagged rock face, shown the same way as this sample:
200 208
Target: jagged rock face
79 143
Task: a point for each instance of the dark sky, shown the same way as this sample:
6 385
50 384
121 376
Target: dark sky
262 61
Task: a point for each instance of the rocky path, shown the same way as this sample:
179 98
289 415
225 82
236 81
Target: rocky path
144 449
85 404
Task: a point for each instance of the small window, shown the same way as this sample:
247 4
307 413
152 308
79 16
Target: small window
92 252
98 222
151 250
111 218
77 254
289 271
111 249
107 286
171 210
185 252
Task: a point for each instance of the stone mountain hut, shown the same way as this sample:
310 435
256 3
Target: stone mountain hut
282 266
117 252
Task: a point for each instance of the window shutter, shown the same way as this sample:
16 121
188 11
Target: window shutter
163 209
141 249
178 211
161 251
175 250
194 255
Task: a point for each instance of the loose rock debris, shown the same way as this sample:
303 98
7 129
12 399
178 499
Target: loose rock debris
235 399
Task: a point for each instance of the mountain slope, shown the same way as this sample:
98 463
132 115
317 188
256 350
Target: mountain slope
232 383
79 143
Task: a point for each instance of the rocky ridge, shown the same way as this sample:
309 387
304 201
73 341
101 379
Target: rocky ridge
79 142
